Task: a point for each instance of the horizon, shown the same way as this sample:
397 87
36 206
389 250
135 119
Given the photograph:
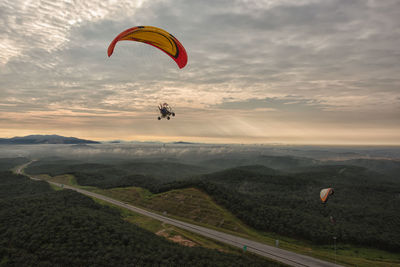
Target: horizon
101 141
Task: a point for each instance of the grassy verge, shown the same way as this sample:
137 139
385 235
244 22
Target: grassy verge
169 231
152 225
56 188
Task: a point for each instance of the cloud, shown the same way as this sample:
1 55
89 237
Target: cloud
309 58
46 25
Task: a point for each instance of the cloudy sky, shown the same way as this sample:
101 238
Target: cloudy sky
272 71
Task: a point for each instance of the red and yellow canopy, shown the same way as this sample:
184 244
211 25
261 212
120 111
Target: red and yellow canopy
156 37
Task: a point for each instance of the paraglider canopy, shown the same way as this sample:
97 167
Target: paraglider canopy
325 193
156 37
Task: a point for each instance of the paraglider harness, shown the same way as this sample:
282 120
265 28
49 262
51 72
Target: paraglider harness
165 111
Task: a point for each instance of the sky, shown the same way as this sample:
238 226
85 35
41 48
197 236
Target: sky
288 71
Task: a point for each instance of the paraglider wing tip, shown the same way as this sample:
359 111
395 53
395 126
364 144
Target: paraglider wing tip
111 47
181 59
181 66
110 51
181 62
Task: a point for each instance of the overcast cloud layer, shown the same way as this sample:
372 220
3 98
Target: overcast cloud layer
300 71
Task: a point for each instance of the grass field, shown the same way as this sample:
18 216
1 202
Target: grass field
194 206
171 232
168 231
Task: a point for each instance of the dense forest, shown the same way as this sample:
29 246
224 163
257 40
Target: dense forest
364 209
8 163
43 227
167 171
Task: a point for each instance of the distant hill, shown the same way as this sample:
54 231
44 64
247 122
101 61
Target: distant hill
280 163
390 168
45 139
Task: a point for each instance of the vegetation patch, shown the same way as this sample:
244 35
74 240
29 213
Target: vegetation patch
279 205
43 227
9 163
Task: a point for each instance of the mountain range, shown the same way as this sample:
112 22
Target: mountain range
45 139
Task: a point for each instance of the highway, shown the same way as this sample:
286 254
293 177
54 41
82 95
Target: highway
281 255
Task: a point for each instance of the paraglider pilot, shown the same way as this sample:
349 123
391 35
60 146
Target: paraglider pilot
165 111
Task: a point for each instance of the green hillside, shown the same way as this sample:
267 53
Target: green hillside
195 206
43 227
363 211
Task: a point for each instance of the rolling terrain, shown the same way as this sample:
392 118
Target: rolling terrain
268 199
41 226
275 198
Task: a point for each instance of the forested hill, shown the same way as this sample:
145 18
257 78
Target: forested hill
45 139
9 163
364 209
391 168
43 227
